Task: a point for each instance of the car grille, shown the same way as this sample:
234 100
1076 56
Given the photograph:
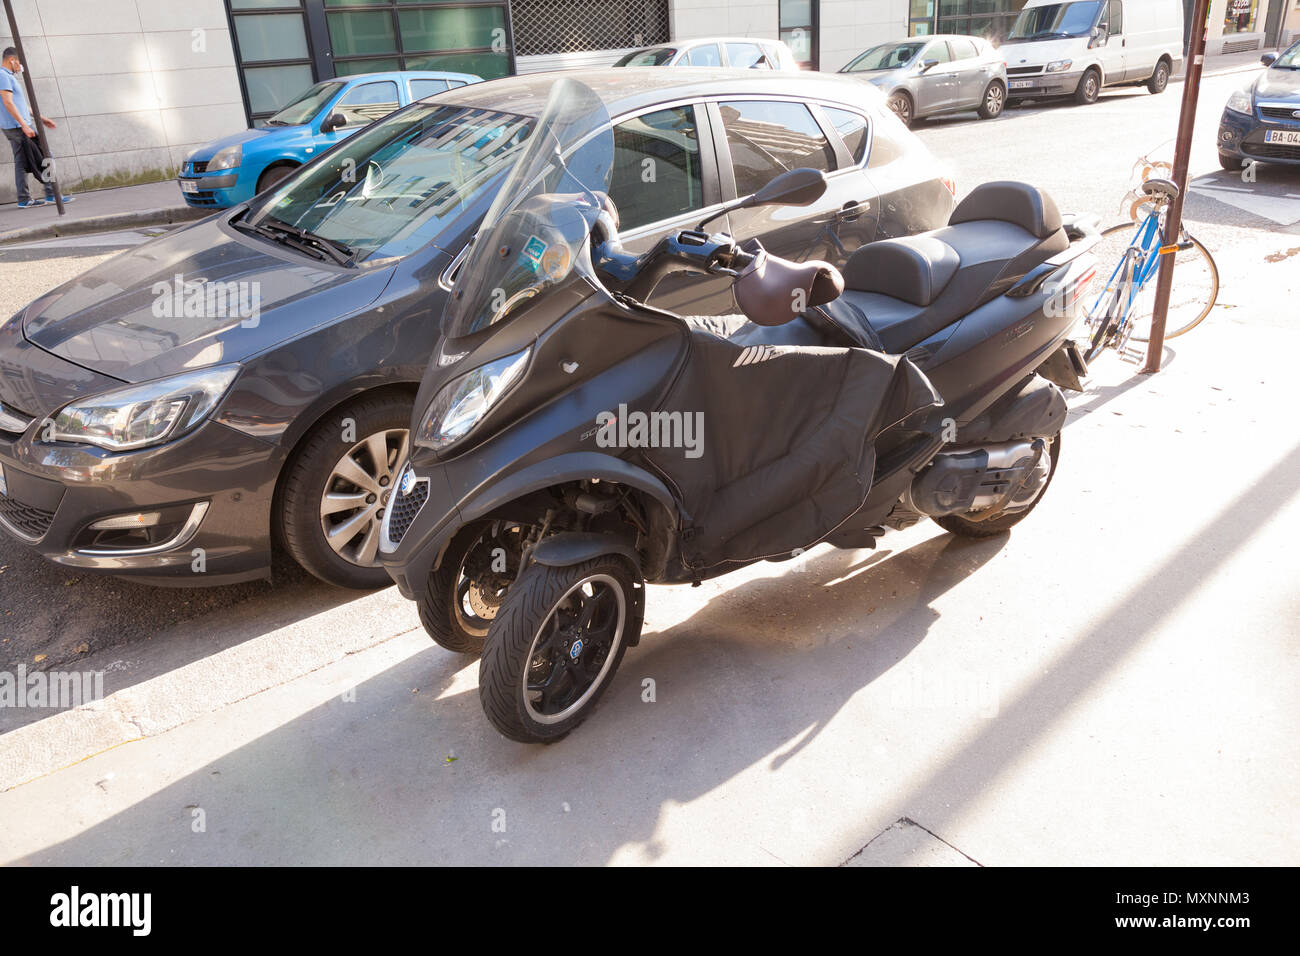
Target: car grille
32 522
405 508
201 198
1280 112
1023 70
13 422
193 169
1271 150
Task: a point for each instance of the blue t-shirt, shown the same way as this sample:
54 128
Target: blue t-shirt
14 84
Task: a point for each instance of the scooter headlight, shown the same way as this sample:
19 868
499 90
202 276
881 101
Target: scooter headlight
462 402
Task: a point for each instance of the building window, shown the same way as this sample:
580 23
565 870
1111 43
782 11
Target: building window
991 19
275 63
284 46
1239 16
798 24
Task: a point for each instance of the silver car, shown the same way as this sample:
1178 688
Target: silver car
746 53
929 76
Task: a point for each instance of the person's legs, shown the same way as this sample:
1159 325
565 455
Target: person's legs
15 137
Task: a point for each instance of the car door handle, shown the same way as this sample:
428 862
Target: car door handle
851 211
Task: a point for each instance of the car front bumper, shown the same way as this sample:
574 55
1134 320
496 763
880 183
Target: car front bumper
1243 136
1043 84
213 489
218 190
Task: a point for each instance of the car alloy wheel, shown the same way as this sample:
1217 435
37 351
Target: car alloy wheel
901 104
357 494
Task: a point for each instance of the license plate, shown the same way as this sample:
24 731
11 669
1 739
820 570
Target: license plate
4 485
1287 137
189 186
1021 84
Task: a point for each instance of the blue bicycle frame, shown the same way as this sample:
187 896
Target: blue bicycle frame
1146 238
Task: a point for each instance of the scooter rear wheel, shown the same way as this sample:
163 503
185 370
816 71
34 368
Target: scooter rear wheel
967 528
553 649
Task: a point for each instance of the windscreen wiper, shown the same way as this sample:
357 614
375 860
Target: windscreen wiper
301 239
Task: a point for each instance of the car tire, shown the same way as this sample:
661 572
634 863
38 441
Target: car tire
902 106
994 100
1089 87
344 446
1160 78
273 176
1231 163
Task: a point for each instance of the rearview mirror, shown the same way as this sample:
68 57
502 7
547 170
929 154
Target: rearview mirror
333 122
797 187
928 65
1268 59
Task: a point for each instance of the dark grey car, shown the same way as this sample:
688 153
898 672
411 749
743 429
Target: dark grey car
931 76
247 380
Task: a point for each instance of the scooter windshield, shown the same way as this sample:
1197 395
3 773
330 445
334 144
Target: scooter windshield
536 233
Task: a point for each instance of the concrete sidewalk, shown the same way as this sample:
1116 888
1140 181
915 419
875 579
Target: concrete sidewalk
100 210
1225 63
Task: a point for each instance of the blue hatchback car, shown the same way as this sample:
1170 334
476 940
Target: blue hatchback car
1262 122
233 169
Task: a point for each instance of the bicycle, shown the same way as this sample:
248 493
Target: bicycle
1123 310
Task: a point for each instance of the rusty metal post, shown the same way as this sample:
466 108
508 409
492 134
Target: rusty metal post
1182 159
31 101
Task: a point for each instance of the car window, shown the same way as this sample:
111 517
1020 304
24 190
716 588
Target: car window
963 49
747 55
706 55
766 138
1114 16
852 128
302 109
656 56
937 51
422 88
368 102
656 172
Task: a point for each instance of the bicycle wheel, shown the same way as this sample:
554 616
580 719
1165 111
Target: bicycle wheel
1195 289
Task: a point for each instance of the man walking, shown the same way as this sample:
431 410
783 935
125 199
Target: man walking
16 121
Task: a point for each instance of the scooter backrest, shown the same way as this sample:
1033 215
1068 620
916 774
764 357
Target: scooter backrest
1019 203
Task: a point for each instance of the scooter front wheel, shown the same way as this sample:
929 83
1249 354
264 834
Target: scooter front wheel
553 649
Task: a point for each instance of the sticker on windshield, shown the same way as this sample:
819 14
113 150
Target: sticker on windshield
534 249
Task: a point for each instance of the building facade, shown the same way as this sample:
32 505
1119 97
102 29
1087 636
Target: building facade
136 85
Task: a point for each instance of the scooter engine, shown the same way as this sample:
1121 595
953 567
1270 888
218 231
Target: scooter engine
1007 477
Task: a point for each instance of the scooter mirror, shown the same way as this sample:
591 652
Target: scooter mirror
797 187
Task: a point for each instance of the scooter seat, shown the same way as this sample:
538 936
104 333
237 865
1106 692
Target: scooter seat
901 291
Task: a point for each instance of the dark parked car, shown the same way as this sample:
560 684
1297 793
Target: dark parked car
248 379
1262 122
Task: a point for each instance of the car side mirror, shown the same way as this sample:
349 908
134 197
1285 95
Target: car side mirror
333 122
796 187
928 65
1268 59
1100 37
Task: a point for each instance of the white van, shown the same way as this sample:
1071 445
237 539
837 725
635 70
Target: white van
1075 48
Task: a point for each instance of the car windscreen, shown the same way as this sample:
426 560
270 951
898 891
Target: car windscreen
1290 59
655 57
1055 20
887 56
306 106
392 188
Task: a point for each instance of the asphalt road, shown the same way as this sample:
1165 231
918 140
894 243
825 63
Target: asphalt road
1083 156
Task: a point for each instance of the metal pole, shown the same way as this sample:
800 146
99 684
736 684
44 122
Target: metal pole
31 101
1182 159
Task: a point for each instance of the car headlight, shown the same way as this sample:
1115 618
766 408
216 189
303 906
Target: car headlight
1239 102
228 158
148 414
462 402
1059 66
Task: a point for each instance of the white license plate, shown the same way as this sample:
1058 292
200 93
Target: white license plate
1285 136
1021 84
4 485
189 186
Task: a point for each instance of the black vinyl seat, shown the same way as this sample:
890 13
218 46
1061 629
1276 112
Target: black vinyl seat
899 292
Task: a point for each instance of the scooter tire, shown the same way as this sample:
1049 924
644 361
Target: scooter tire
516 641
437 606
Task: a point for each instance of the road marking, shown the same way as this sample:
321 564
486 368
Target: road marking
1283 210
